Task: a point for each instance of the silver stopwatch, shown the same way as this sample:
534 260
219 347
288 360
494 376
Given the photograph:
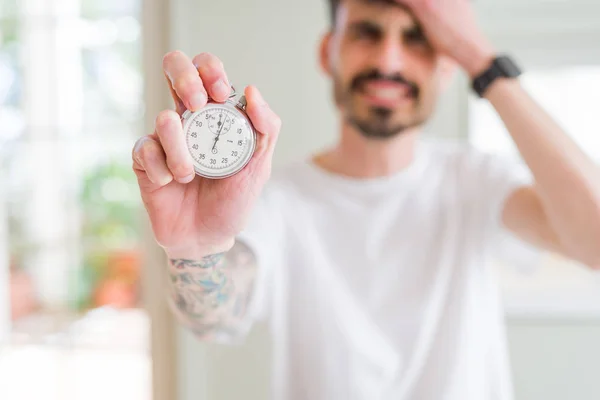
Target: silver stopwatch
220 137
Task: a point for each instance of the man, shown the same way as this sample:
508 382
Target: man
369 258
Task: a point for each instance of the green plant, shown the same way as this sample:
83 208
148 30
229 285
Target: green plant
110 209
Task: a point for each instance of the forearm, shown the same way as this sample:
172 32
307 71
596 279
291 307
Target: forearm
210 295
567 181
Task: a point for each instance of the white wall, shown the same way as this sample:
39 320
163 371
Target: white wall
260 43
555 359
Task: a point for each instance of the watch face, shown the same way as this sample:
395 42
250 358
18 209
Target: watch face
220 139
508 67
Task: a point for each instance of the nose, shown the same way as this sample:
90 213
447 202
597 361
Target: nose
390 56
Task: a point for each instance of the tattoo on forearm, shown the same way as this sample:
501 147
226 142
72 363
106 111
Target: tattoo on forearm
206 262
212 294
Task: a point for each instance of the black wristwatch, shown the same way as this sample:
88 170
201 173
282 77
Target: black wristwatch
501 67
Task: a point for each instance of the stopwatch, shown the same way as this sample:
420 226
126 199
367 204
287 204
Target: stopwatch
220 137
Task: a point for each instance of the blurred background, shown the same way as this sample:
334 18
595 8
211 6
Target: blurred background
71 87
81 286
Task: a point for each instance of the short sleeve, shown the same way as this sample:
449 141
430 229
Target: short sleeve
263 234
497 178
502 176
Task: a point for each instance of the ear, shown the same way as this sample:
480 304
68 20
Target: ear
325 53
448 68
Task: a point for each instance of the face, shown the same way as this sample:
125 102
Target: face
386 75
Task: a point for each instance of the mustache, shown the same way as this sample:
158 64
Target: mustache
376 75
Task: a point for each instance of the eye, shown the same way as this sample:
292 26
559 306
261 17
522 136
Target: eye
365 32
415 36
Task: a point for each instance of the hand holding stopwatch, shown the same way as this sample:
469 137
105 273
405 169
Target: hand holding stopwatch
182 166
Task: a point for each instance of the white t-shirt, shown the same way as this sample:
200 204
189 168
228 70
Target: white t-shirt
379 288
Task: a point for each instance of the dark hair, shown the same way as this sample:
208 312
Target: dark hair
333 6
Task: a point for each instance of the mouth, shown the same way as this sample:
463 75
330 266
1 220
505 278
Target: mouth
387 93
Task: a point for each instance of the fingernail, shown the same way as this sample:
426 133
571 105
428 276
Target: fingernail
197 101
188 178
220 89
165 180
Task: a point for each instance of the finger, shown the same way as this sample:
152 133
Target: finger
179 106
172 140
213 75
185 83
266 122
412 5
150 157
405 3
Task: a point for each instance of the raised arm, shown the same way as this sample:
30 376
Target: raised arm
561 211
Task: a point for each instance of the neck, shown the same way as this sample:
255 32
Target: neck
359 157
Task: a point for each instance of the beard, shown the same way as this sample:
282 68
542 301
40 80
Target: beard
379 122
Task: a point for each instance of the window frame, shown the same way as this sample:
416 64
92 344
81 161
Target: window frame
157 38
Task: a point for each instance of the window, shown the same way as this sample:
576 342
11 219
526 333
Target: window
571 95
71 89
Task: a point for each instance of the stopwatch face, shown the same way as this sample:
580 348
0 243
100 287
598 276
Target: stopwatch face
220 139
219 122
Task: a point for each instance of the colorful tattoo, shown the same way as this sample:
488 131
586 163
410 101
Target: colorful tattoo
211 294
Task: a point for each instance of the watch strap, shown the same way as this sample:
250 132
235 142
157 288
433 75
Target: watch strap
501 67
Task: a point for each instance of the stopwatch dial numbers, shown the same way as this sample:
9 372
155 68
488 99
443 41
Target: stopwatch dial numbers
219 122
217 152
